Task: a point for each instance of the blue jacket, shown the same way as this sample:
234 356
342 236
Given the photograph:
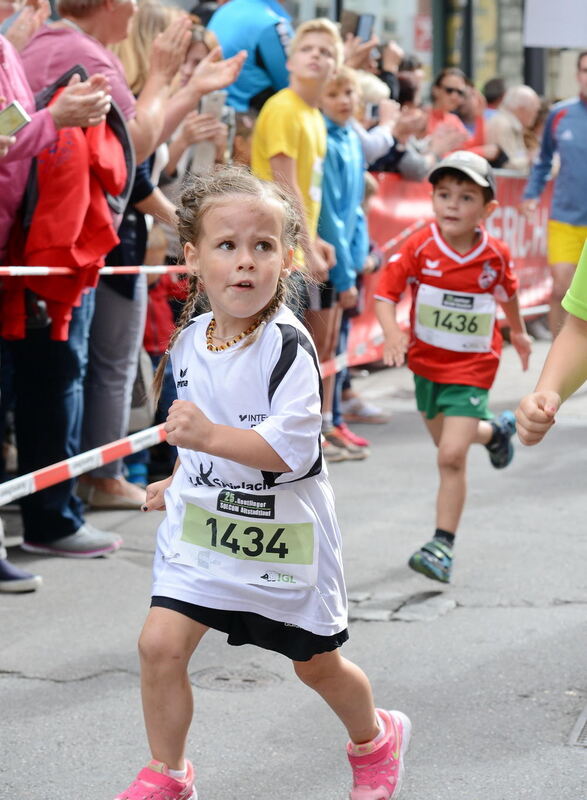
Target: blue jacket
342 221
565 131
263 29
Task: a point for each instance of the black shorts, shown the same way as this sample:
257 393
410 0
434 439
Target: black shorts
244 627
322 295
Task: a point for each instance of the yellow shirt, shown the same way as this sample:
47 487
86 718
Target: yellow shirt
288 125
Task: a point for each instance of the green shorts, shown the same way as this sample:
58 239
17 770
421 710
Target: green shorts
451 399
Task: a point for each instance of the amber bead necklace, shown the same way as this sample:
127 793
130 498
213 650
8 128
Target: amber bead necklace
228 343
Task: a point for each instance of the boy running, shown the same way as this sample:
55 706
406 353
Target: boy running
457 272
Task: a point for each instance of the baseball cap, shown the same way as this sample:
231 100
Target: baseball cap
470 164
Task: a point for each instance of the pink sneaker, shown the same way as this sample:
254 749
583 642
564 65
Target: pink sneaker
155 783
378 769
353 437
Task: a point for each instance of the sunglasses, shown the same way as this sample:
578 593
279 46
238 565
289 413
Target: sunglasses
453 90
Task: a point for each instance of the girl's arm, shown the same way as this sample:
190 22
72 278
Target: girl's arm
156 492
187 426
563 373
519 338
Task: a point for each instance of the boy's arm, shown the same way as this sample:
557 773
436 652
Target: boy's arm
187 426
519 338
396 341
564 371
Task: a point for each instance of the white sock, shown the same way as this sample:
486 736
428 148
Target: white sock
179 774
381 730
327 421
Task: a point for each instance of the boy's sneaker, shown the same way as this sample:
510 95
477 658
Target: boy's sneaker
378 767
353 437
355 453
355 409
501 451
14 580
434 560
155 783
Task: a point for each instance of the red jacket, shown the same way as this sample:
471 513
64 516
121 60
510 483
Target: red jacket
71 226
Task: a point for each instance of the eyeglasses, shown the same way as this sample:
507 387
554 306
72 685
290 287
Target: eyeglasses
453 90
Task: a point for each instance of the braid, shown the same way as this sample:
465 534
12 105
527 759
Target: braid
188 311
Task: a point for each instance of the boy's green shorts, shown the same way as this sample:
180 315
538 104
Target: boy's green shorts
451 399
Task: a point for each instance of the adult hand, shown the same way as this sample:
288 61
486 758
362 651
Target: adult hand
5 143
528 208
348 298
389 113
82 103
170 47
392 57
186 426
535 416
357 53
201 127
156 495
27 24
411 122
214 72
445 139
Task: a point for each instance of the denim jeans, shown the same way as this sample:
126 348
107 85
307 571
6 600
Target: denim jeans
49 407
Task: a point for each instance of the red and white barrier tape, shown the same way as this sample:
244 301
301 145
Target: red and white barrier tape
162 269
72 467
402 235
16 272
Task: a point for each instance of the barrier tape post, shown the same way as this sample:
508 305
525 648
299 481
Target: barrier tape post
72 467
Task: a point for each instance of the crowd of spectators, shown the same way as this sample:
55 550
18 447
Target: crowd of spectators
117 94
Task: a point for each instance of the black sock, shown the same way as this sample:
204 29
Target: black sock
445 536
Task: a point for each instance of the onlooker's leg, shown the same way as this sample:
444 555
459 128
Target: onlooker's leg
115 341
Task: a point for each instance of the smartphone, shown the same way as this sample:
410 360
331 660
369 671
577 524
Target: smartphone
213 103
371 111
365 25
13 118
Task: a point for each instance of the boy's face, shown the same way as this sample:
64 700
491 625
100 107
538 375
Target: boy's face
314 59
339 101
459 206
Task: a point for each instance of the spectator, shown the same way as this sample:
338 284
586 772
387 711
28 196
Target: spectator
565 133
506 128
263 29
342 224
289 145
51 517
493 92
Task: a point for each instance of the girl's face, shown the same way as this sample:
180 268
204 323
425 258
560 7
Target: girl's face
197 52
239 259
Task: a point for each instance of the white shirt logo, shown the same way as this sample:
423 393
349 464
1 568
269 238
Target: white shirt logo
567 136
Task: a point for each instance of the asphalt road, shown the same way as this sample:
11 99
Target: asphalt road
491 670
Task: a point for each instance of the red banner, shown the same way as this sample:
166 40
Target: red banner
401 206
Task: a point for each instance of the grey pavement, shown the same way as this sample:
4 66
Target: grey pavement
491 669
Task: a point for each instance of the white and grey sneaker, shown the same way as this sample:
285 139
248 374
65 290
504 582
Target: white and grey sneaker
86 542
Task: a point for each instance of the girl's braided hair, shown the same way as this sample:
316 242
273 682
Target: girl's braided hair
199 194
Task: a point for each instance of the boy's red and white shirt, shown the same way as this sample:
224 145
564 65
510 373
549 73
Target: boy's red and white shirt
454 337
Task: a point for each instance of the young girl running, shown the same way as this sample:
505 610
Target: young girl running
250 545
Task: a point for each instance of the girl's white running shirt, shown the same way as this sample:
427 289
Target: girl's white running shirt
238 538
